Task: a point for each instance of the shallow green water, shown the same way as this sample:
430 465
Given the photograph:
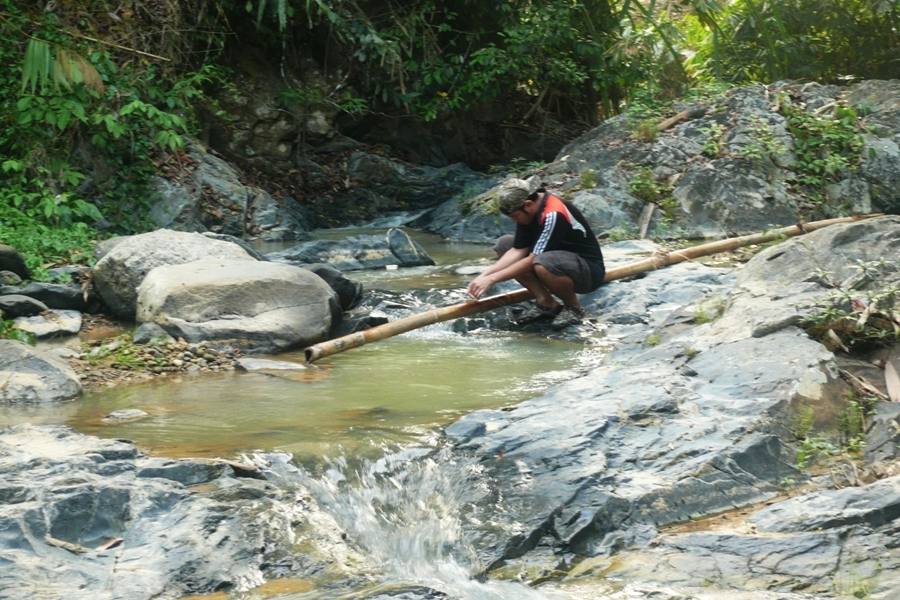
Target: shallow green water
394 391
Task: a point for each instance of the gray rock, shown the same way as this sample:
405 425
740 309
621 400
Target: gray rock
126 414
149 332
122 269
833 543
358 252
729 197
281 219
66 490
264 364
672 430
781 285
54 295
259 306
31 376
9 278
883 436
69 273
16 305
412 186
51 324
214 199
452 221
349 292
224 237
881 169
11 260
874 505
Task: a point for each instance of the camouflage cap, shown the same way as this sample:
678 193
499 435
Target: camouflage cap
513 193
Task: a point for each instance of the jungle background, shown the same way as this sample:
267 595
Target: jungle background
97 96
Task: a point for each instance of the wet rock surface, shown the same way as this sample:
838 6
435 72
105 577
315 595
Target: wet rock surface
685 419
80 513
358 252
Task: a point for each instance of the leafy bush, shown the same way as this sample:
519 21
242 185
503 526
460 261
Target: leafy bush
760 40
827 146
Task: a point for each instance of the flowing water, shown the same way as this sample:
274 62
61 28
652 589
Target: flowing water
333 431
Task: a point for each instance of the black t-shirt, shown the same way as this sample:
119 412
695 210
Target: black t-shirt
559 226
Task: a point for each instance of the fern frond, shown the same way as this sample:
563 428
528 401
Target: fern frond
36 69
41 68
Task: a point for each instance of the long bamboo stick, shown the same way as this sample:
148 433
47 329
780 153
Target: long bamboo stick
657 261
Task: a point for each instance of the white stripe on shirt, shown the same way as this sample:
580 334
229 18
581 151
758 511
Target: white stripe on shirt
541 244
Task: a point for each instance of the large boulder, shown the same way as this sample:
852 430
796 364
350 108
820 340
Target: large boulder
28 375
122 269
213 198
412 186
257 306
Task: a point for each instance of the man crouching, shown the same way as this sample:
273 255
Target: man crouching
554 254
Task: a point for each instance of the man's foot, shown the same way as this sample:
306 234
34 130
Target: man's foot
536 312
567 316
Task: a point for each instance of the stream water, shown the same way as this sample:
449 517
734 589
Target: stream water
404 518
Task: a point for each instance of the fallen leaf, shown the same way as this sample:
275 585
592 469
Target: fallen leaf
833 342
892 381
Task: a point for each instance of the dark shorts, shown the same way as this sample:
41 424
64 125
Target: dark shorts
587 276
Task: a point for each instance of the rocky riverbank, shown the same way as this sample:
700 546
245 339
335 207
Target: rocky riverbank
727 388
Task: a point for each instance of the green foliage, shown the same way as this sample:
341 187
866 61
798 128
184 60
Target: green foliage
813 449
709 310
763 145
712 144
618 234
83 131
853 426
587 179
8 331
120 352
759 40
802 422
41 243
859 313
644 186
827 147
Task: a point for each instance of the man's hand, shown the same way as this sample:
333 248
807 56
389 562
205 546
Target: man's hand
479 285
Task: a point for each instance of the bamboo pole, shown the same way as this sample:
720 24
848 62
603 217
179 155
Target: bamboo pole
657 261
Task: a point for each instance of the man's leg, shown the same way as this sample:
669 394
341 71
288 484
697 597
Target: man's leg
529 281
560 286
534 284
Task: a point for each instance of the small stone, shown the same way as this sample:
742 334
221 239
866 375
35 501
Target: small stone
177 362
127 414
